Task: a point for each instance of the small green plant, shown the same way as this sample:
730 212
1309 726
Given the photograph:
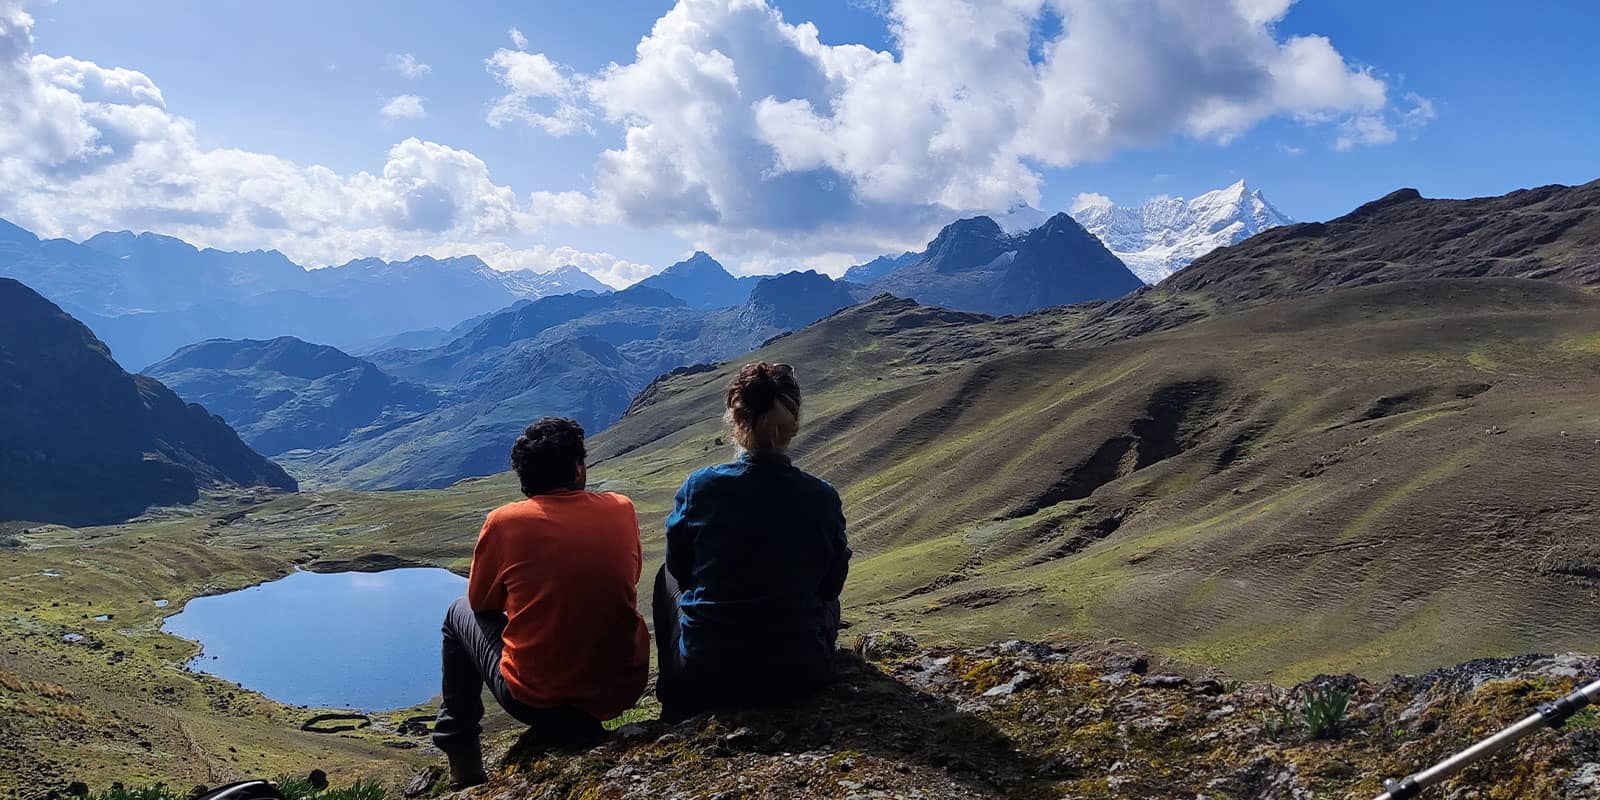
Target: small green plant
303 789
1587 719
360 790
295 788
155 792
1232 686
1324 710
1276 723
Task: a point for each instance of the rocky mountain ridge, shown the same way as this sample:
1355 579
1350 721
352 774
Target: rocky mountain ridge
286 394
976 265
84 442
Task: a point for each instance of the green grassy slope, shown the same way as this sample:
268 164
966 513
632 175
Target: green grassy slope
1386 478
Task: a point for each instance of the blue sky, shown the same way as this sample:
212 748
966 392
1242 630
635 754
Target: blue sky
1476 98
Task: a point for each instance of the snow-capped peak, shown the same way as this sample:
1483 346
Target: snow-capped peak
1020 218
1166 233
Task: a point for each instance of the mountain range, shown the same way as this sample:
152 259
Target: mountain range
702 282
975 264
1364 444
285 394
147 295
83 442
1166 234
427 407
1360 446
427 417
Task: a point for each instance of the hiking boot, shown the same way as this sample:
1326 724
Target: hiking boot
466 767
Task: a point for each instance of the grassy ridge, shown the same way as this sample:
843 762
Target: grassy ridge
1365 491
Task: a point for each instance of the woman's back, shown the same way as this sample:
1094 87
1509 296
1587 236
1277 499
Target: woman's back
758 550
747 606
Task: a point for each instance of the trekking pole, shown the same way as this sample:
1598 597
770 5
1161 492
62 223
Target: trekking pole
1552 715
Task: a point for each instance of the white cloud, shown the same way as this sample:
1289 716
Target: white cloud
1385 127
1366 129
405 106
407 64
86 148
744 131
1419 114
1089 200
539 91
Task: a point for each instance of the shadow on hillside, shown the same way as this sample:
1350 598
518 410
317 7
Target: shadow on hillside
866 714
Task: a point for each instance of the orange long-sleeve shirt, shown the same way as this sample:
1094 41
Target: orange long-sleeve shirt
564 568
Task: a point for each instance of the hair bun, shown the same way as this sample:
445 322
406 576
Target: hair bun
759 394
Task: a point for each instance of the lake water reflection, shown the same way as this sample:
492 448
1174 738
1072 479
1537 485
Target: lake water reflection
344 640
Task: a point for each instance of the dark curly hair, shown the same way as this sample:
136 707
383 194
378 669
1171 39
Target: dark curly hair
764 407
547 454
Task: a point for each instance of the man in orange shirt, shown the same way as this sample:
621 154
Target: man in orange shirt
550 623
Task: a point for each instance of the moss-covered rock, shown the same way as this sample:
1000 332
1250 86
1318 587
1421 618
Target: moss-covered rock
1021 720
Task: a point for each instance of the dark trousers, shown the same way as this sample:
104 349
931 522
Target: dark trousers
687 688
471 662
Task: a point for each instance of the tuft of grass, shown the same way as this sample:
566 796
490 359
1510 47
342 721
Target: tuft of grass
1277 723
360 790
295 788
645 711
1324 711
159 791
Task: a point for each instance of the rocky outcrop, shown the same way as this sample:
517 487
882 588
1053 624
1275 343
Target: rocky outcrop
1098 720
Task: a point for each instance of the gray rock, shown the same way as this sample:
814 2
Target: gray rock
1165 680
1010 687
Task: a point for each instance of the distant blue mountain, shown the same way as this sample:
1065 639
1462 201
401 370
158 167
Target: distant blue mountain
794 300
976 265
702 283
286 394
879 267
583 356
147 295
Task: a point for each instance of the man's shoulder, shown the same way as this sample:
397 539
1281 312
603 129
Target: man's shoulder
540 513
506 511
615 500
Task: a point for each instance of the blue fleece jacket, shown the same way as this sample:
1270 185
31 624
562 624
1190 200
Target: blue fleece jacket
758 549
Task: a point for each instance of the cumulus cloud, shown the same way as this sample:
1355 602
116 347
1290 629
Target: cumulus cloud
1385 128
84 148
539 91
1089 200
405 106
741 128
407 64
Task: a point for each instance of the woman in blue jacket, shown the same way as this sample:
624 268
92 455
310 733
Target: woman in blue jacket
747 607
